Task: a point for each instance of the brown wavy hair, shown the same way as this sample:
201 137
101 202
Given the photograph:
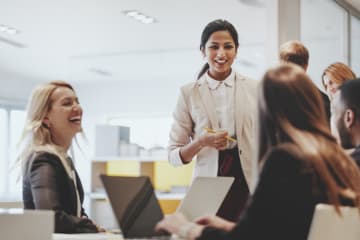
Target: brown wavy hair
339 72
291 111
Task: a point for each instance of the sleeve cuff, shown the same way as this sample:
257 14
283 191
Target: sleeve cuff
174 158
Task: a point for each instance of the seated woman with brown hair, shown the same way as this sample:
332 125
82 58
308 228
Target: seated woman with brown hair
302 165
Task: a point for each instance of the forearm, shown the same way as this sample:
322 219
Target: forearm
188 151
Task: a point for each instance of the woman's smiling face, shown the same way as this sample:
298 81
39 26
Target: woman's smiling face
220 51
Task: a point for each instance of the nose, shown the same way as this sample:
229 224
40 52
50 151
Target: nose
77 107
221 52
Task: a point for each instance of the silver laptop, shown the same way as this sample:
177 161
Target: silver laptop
205 196
19 224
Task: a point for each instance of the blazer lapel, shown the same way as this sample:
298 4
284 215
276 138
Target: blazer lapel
207 102
240 105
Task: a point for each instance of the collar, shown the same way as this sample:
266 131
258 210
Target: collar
214 84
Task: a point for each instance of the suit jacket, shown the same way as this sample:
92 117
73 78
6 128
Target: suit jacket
326 102
46 185
284 201
195 110
356 155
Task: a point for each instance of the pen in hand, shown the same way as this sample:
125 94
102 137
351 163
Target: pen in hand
209 130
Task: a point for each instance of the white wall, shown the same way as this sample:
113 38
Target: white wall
15 88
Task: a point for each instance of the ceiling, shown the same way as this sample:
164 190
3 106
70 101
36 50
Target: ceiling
92 40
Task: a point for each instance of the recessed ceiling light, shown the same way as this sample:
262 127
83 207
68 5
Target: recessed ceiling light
140 16
3 28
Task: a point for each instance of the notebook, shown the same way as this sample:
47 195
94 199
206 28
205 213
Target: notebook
205 196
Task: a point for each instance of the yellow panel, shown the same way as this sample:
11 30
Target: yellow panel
166 175
123 168
169 206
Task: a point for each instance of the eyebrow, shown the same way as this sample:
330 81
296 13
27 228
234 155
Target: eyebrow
224 43
68 98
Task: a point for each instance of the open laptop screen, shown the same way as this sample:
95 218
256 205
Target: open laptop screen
135 205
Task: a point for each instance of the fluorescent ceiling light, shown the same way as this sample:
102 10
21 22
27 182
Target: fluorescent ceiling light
138 16
8 30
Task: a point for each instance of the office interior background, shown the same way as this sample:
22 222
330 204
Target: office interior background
127 71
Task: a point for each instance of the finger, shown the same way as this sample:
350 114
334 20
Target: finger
158 227
202 221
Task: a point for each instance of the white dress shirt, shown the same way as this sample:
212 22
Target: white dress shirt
223 96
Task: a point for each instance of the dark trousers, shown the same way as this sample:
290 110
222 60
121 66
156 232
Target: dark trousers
235 200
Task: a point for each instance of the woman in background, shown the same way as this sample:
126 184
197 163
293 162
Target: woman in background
50 180
204 118
302 165
334 76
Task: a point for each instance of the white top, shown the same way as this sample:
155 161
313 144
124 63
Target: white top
223 96
222 93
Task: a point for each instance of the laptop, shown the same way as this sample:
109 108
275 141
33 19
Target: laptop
205 196
137 209
327 224
135 206
19 224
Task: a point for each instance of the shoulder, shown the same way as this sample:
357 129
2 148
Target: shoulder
39 158
249 83
285 156
187 87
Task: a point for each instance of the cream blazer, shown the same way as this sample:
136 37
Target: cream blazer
195 110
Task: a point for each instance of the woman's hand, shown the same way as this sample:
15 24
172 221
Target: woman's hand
171 223
98 228
177 224
216 222
216 140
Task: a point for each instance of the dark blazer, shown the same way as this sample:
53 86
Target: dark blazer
46 185
356 155
326 102
283 203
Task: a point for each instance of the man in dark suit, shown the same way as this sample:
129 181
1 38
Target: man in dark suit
295 52
345 118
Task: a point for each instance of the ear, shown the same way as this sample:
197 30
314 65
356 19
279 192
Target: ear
46 122
349 118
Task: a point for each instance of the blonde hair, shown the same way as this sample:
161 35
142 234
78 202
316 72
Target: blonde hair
36 135
339 73
294 52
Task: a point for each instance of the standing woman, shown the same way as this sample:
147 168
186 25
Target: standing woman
334 76
50 180
210 102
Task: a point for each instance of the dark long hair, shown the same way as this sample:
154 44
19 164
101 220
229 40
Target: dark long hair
291 111
210 28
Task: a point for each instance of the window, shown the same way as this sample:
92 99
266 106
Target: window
17 121
11 124
3 161
355 45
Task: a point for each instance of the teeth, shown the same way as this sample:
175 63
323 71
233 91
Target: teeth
75 118
220 61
